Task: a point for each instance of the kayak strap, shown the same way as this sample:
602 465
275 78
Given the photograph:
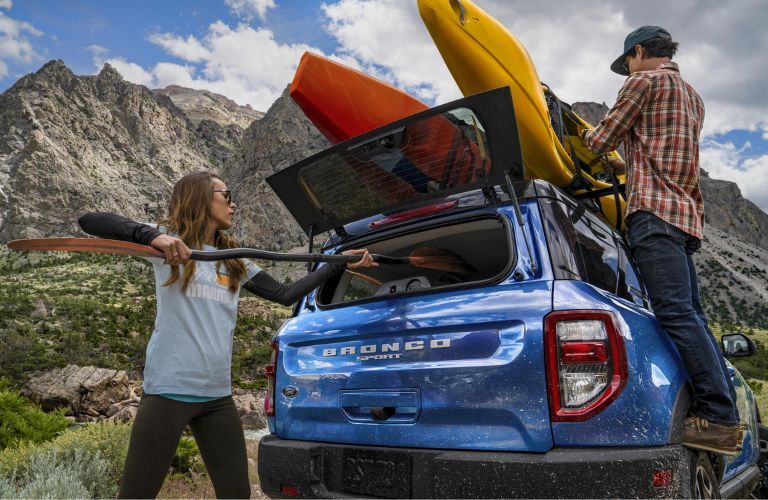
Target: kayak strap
578 181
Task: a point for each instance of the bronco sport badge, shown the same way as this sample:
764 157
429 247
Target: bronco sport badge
391 350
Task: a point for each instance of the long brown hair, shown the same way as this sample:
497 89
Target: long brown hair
188 215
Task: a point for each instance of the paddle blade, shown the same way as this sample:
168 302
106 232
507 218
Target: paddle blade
440 258
91 245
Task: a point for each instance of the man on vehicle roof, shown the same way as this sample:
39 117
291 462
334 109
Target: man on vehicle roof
658 116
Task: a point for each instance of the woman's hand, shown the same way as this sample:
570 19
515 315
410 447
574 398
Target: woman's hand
176 251
366 261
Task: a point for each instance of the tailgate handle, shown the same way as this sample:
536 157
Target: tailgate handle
394 406
382 413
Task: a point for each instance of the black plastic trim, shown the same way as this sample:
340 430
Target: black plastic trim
679 412
316 469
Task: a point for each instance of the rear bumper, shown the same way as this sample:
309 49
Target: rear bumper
323 470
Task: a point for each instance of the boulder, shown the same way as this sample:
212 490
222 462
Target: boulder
80 388
250 407
126 413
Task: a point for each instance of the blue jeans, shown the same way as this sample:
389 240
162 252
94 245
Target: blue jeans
663 254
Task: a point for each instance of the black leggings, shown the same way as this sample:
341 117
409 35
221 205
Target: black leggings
156 433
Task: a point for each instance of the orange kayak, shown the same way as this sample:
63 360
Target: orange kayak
343 102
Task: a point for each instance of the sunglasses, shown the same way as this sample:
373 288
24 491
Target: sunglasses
227 194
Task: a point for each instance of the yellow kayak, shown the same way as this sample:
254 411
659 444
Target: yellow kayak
482 54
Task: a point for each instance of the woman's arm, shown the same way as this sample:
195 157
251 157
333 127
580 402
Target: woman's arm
267 287
116 227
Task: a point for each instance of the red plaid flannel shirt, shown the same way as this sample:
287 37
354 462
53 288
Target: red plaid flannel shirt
658 116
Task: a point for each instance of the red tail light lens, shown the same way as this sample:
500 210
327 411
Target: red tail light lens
269 372
289 490
586 363
662 478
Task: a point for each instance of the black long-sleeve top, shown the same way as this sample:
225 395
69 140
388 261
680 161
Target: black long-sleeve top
116 227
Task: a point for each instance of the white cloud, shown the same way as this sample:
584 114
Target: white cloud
250 9
189 49
727 162
131 71
216 62
6 4
398 50
99 52
15 42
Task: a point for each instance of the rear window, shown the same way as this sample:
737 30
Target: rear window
434 154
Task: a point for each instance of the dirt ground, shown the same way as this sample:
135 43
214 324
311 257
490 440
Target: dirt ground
199 486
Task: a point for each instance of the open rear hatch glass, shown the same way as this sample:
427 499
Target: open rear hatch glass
467 145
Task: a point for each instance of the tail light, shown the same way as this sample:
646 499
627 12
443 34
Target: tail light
269 372
586 363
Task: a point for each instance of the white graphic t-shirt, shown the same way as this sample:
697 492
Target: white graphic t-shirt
190 351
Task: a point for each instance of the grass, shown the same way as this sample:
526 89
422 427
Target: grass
93 309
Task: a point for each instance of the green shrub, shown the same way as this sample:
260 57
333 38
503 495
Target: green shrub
107 440
23 421
90 457
53 474
187 459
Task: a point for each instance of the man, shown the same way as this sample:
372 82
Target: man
659 116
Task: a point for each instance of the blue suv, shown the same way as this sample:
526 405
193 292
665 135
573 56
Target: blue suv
510 353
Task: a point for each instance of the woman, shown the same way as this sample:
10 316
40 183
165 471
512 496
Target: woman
189 356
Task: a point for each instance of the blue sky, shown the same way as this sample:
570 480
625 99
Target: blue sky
69 26
248 51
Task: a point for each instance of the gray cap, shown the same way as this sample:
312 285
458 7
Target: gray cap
640 35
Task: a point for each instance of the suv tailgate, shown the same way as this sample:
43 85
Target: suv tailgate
459 369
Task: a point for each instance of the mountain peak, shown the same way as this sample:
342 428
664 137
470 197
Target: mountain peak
109 77
108 71
54 70
201 105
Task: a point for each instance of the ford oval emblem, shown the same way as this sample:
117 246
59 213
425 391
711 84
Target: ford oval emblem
290 391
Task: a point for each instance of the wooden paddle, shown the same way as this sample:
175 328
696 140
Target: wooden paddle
430 258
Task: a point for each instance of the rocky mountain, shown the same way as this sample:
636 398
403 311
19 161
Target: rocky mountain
283 137
200 105
592 112
726 209
71 144
733 277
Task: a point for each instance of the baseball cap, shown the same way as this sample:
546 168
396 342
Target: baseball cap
640 35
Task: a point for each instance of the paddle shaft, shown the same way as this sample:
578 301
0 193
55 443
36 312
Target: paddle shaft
251 253
134 249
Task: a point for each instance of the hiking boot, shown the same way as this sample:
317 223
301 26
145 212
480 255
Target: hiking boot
705 435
